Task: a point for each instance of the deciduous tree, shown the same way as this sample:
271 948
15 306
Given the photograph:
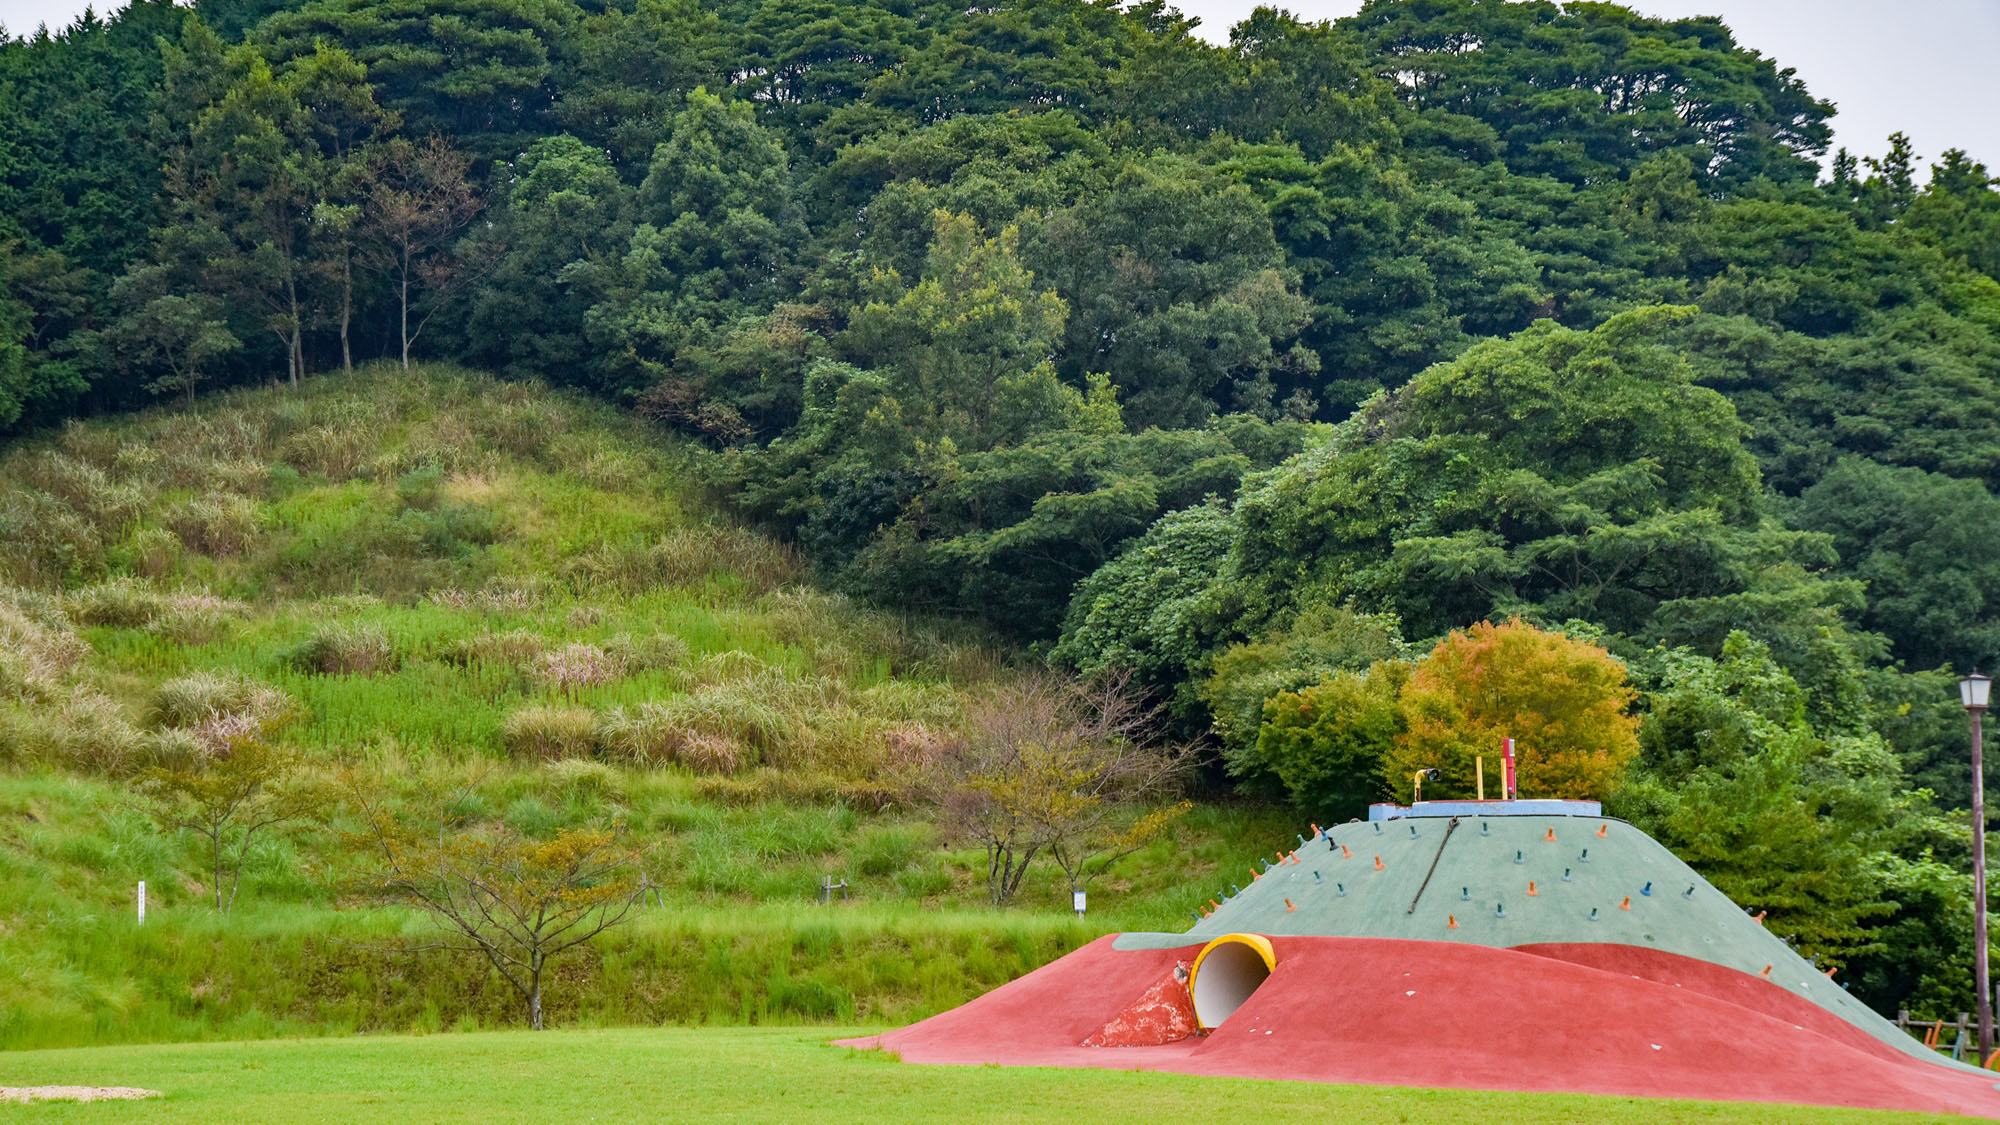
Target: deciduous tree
1565 702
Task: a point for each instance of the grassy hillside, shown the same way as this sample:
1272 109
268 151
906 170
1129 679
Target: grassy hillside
487 593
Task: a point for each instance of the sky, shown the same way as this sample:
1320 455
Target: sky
1921 66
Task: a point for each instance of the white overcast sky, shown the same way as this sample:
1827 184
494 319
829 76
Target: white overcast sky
1925 67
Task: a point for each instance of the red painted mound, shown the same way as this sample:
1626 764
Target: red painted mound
1418 1013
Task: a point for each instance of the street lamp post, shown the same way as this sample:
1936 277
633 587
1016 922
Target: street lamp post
1974 691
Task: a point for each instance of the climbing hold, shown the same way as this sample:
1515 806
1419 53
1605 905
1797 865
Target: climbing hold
1829 972
1593 914
1213 906
1344 853
1340 890
1585 857
1316 830
1518 858
1330 845
1234 890
1378 828
1532 892
1198 915
1267 865
1378 863
1451 921
1647 890
1289 907
1255 874
1766 974
1566 875
1413 831
1551 836
1602 829
1302 839
1759 917
1317 878
1485 829
1627 904
1499 910
1689 893
1465 894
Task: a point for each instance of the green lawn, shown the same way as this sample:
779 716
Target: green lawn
761 1074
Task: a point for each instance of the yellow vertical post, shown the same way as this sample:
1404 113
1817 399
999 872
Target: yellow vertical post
1479 771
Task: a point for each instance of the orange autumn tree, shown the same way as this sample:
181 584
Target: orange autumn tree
1565 703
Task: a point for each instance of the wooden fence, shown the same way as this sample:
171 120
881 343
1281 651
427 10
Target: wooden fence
1960 1037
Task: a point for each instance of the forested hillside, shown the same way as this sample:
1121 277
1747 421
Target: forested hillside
1307 380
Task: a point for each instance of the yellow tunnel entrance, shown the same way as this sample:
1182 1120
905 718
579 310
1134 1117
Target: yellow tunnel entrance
1225 973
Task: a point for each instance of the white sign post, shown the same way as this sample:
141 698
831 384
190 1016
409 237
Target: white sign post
1077 898
142 902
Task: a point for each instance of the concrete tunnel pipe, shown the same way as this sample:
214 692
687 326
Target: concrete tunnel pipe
1225 973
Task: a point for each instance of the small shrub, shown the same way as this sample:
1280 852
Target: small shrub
151 552
37 649
658 734
515 648
218 708
344 650
84 732
654 652
492 600
534 818
195 618
44 543
81 487
333 451
550 733
122 603
217 526
576 775
575 666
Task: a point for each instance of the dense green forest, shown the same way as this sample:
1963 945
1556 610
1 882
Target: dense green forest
1251 371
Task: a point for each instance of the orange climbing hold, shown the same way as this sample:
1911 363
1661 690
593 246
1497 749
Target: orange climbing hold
1255 874
1627 904
1289 907
1378 863
1532 892
1551 837
1766 974
1344 853
1213 906
1602 829
1759 919
1451 921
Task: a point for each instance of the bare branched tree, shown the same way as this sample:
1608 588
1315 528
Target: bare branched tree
418 201
517 902
1056 764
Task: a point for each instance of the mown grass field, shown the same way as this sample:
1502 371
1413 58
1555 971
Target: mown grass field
749 1074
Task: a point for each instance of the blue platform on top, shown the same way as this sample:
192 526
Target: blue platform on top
1535 807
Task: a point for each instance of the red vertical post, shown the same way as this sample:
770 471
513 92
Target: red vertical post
1507 790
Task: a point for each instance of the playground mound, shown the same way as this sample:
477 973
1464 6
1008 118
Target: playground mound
1491 950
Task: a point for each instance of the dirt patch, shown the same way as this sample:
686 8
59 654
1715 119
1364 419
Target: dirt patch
74 1093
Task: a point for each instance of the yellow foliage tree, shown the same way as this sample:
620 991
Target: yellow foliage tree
1565 703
